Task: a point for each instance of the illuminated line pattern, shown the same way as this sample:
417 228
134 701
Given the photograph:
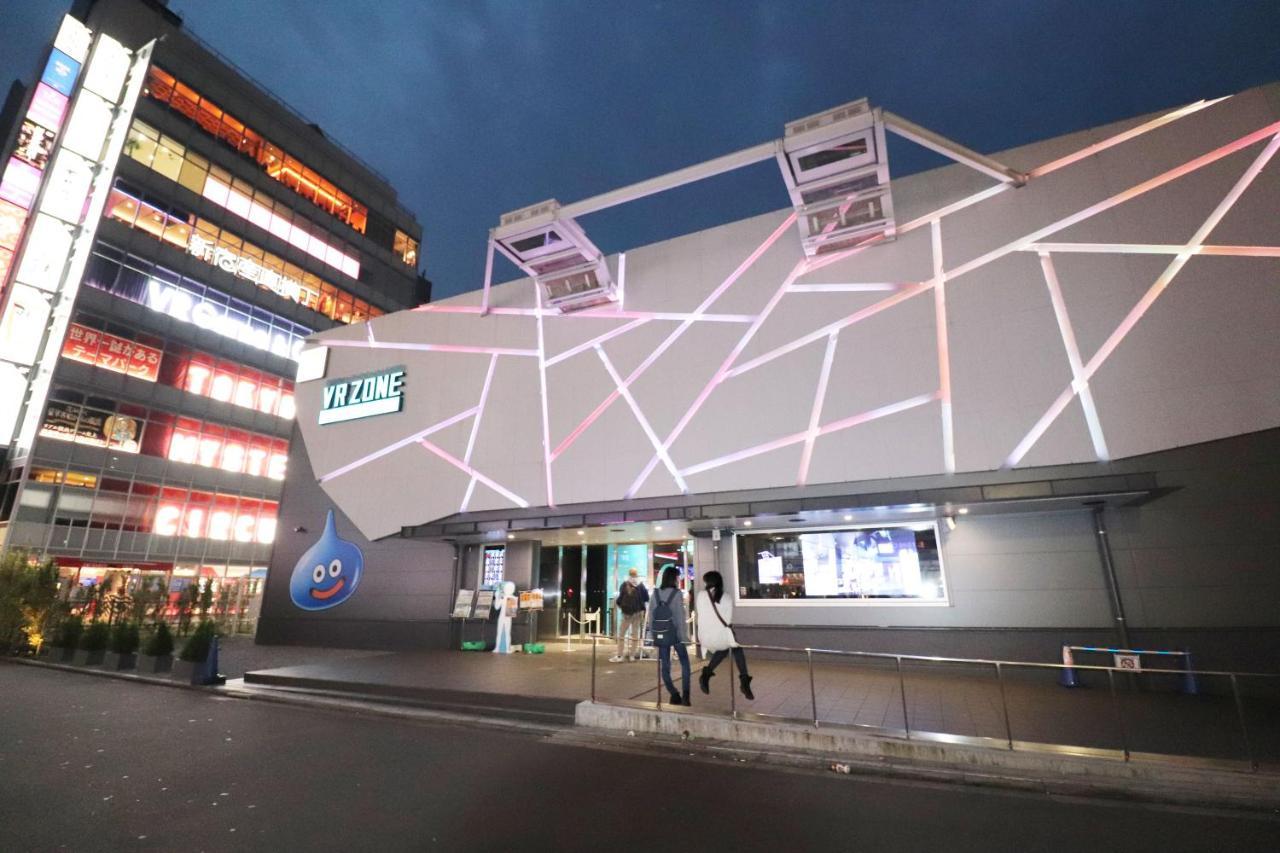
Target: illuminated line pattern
595 342
819 397
941 281
396 445
1148 298
1079 384
467 469
644 422
1154 249
464 348
944 349
475 429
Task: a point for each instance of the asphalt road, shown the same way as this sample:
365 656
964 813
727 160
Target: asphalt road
90 763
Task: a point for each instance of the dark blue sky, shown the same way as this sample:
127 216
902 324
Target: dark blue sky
475 108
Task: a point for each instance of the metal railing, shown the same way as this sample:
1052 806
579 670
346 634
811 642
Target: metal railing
1003 669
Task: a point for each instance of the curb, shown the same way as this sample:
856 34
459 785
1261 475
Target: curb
357 703
746 741
106 673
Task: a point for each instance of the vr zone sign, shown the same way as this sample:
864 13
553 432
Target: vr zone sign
377 393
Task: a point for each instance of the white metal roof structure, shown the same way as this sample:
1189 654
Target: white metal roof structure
1112 293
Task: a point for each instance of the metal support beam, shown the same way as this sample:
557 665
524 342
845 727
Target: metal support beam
934 142
488 277
1109 570
671 180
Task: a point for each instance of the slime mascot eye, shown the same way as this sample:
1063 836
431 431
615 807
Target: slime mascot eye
328 573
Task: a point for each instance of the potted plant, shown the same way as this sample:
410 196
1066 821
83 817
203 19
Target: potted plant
193 659
157 654
67 640
122 652
93 644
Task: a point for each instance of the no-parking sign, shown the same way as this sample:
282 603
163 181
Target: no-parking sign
1129 662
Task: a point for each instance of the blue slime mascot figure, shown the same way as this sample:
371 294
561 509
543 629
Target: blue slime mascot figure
506 603
328 573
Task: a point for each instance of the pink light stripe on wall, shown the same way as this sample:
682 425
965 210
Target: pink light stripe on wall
396 445
1119 198
944 349
1148 299
675 335
467 469
815 414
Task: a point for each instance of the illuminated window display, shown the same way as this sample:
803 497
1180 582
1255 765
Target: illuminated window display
75 417
892 563
117 354
406 248
181 367
232 383
240 452
20 184
192 302
201 515
35 144
85 499
166 156
306 182
227 251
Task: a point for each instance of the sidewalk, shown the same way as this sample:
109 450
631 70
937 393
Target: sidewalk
965 704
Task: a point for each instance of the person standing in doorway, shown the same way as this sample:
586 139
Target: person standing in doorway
669 628
715 632
632 600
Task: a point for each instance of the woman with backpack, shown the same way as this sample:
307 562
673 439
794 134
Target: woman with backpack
667 625
715 632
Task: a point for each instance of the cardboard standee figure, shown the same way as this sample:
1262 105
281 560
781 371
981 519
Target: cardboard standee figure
506 603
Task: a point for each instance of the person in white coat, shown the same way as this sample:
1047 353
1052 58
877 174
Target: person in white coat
715 632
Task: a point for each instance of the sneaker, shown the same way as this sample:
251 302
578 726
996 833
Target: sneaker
616 659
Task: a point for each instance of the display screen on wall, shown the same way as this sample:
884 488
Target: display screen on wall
898 563
495 564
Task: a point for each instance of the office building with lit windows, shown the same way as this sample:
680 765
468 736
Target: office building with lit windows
170 233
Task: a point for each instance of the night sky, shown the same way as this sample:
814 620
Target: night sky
476 108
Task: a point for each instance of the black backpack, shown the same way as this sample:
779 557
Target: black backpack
664 626
629 599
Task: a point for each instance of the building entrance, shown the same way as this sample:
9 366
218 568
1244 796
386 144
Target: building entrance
579 581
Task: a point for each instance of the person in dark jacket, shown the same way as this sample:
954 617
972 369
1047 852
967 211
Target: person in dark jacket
632 600
670 629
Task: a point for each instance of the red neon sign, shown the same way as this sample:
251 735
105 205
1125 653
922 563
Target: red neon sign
242 388
120 355
251 521
259 457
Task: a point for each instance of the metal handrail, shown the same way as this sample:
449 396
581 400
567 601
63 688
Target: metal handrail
1000 667
993 662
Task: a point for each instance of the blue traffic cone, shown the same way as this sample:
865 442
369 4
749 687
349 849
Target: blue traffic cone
1067 678
1189 685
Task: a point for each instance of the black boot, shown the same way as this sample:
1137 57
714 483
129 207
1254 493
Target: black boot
675 699
745 682
684 700
704 680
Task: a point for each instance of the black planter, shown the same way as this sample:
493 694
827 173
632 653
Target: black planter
85 657
150 664
117 661
58 654
187 671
